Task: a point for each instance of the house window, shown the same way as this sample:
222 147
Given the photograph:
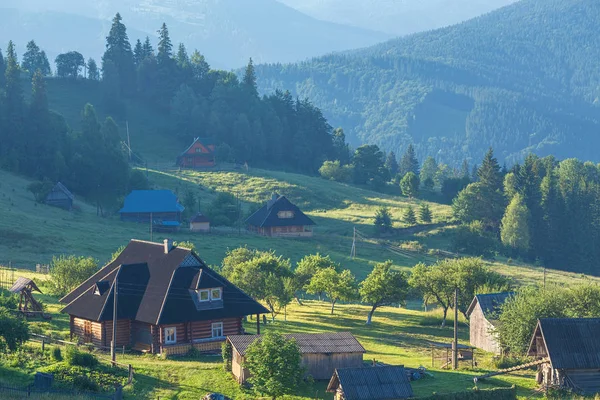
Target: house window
198 149
215 294
170 335
217 330
285 214
204 295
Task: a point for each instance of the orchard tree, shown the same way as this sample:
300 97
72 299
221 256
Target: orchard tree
68 272
308 267
338 286
514 230
410 185
383 287
274 365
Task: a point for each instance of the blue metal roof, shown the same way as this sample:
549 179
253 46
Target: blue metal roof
146 201
167 223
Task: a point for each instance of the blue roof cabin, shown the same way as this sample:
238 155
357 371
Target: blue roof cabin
161 206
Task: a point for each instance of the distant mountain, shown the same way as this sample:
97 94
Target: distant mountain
227 32
397 17
523 78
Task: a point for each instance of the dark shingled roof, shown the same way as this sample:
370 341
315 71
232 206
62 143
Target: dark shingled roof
572 343
372 383
157 288
146 201
200 218
309 343
21 283
266 216
490 304
59 187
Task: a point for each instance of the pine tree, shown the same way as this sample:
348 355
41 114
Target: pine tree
425 213
489 172
44 64
147 48
2 69
383 219
465 171
165 46
391 164
249 80
183 61
514 230
118 51
138 53
409 162
39 95
409 217
31 58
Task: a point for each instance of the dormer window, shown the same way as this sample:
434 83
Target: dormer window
101 287
215 294
208 295
285 214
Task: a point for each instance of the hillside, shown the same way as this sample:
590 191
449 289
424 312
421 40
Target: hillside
396 17
523 78
227 32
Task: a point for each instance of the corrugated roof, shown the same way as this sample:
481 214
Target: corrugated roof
21 283
490 304
331 342
267 215
146 201
572 343
372 383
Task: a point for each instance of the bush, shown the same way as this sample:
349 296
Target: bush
67 272
508 362
227 354
8 300
332 170
40 190
474 239
57 354
99 378
75 357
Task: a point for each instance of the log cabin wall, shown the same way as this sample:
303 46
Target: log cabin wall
123 332
86 331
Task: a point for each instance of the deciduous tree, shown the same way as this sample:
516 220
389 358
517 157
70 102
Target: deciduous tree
67 272
336 285
409 185
514 229
383 287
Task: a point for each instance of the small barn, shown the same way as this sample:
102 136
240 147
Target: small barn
200 154
200 223
160 206
483 317
281 218
60 197
370 383
571 349
321 353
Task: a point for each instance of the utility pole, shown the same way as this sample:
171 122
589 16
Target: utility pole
353 250
455 341
113 343
151 226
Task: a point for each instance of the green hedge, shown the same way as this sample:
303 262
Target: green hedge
477 394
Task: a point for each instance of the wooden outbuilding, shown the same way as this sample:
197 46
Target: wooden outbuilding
168 301
321 353
200 223
28 305
571 349
60 197
281 218
370 383
483 314
200 154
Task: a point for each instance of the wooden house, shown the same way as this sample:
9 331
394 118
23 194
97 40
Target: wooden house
321 353
161 206
200 223
200 154
571 349
60 197
280 217
370 383
168 301
483 316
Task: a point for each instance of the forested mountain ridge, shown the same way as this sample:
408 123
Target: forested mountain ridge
523 78
228 32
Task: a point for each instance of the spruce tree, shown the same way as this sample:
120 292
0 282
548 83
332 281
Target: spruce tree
2 69
31 58
409 216
118 51
183 61
514 230
391 163
249 80
465 172
425 213
409 162
165 46
138 53
489 172
147 48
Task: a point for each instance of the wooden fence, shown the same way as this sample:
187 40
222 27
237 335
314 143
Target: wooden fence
31 391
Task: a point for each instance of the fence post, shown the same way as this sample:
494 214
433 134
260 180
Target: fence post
118 392
123 349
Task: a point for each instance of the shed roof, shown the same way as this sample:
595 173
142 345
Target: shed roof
267 215
147 201
21 283
206 142
571 343
59 187
372 383
157 288
199 217
309 343
490 304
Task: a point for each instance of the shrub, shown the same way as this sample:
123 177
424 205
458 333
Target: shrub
227 354
67 272
193 352
332 170
508 362
57 354
75 357
96 379
474 239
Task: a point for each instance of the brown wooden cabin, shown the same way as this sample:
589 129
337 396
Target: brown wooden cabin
321 353
60 197
200 154
168 301
370 383
483 316
200 223
281 218
571 347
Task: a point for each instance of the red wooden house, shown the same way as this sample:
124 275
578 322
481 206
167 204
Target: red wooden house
200 154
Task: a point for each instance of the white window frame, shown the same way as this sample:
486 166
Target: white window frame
220 294
207 291
170 341
285 214
214 326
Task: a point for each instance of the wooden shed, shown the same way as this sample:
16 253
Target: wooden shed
483 316
321 353
571 349
370 383
60 197
200 223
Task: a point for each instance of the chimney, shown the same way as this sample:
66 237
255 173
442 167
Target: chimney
274 198
168 245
